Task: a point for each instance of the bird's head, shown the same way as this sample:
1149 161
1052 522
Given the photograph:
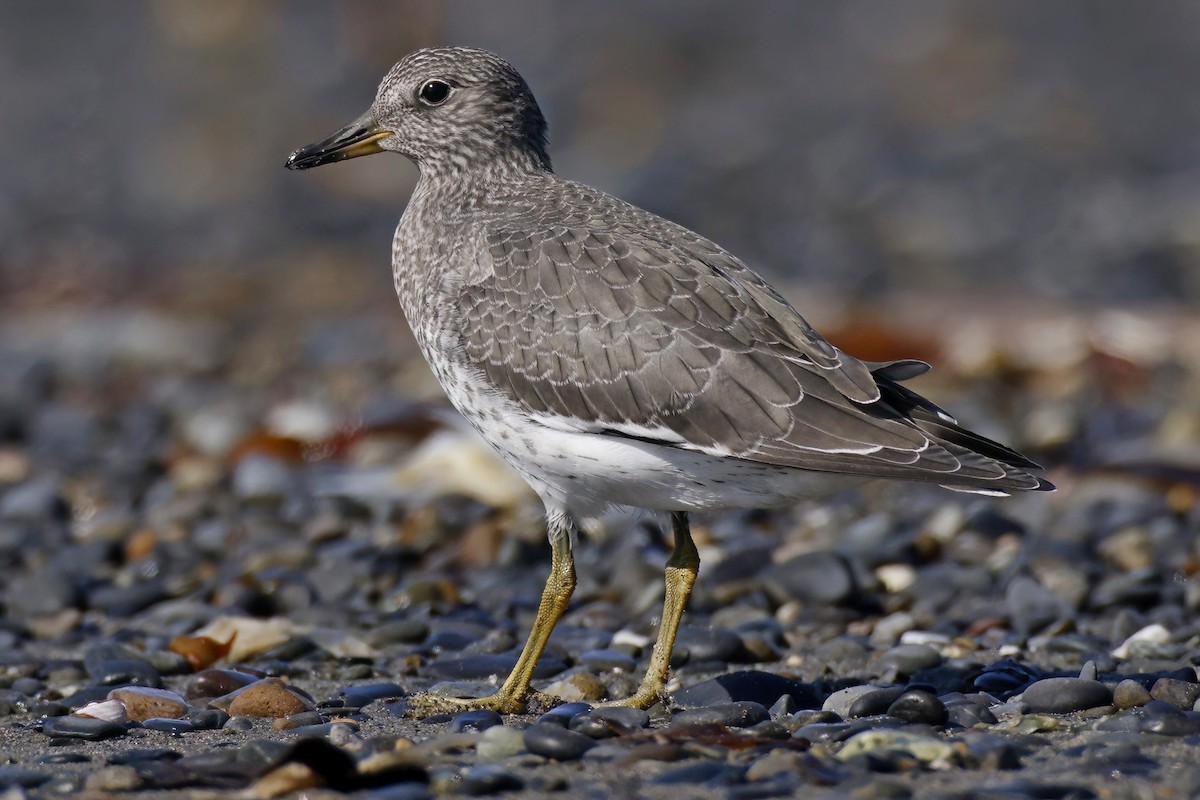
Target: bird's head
448 109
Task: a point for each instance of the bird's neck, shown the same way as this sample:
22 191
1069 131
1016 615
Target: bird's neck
485 169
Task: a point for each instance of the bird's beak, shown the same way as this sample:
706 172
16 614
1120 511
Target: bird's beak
359 138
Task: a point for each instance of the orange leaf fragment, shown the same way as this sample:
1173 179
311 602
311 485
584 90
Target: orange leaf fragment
201 651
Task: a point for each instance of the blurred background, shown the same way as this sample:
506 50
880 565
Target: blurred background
1046 151
1009 190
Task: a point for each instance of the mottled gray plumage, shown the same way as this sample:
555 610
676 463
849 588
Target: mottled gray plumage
613 357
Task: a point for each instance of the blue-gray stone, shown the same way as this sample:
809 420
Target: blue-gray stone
555 741
85 728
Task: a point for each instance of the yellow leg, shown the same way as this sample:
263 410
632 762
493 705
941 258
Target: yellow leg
680 576
511 696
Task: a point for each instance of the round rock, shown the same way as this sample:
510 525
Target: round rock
556 742
1064 695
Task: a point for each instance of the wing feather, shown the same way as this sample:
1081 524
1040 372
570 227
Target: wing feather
644 327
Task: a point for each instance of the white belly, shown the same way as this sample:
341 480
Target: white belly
586 473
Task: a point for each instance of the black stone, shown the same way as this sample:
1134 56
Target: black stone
876 701
485 779
485 665
1005 678
165 725
208 719
918 706
85 728
22 777
123 672
1064 695
367 693
741 714
606 661
1165 719
556 742
562 715
756 686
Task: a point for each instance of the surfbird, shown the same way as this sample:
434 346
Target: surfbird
615 358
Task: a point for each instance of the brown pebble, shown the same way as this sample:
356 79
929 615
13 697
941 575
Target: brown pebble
119 778
142 703
1129 694
286 779
217 683
578 686
267 698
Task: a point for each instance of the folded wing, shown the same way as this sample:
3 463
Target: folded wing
618 331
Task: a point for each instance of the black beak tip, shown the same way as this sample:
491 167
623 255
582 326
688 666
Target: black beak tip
294 162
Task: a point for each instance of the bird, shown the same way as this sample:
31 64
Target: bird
615 358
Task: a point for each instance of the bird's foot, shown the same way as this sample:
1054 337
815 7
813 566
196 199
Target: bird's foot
643 698
428 705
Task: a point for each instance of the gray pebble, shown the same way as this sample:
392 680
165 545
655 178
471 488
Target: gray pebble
41 593
125 601
85 728
68 757
304 718
485 665
968 714
36 500
606 661
402 631
707 644
22 777
176 726
367 693
755 685
600 723
706 771
1031 605
122 671
1064 695
261 477
319 730
908 659
785 706
498 743
593 727
742 714
485 779
842 700
821 578
562 715
1167 720
479 720
208 719
1179 693
556 742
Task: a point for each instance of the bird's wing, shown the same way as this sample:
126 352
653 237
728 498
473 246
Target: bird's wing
673 340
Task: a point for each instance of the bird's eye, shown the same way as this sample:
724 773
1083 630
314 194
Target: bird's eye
434 93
